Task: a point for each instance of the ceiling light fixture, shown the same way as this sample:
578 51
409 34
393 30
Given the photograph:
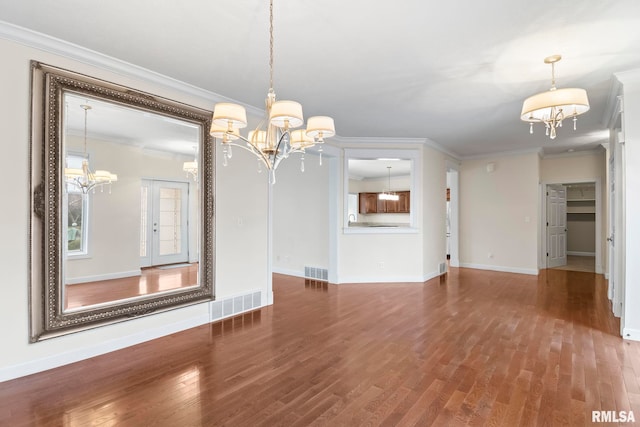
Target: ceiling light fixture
555 105
389 195
84 178
277 140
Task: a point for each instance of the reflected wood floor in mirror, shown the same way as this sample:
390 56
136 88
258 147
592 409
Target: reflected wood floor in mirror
472 348
151 281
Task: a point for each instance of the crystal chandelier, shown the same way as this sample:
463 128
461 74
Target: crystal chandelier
555 105
274 139
84 178
389 195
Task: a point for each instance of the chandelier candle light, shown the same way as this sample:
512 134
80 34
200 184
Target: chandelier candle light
555 105
277 140
84 178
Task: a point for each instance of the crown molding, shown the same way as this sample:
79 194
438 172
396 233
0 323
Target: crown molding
388 142
581 153
90 57
513 153
629 76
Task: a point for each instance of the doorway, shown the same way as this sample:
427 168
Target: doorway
164 236
452 208
571 225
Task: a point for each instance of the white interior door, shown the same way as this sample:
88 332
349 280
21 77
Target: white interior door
164 237
556 225
612 229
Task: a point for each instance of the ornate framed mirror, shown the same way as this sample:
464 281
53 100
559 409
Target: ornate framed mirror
122 215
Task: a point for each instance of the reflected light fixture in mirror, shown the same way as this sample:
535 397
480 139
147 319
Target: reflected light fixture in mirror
84 178
273 139
74 264
191 168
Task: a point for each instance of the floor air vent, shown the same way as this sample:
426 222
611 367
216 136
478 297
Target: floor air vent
235 305
316 273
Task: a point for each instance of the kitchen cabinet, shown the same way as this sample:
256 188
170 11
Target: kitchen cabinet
370 203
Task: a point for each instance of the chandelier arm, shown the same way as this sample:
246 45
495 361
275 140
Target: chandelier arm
252 150
277 150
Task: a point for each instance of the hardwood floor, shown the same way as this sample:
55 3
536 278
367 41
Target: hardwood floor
579 263
150 281
474 348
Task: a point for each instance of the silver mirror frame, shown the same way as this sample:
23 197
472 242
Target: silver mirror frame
47 317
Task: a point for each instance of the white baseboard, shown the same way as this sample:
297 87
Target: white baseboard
631 334
46 363
430 276
99 277
288 272
361 279
529 271
576 253
378 279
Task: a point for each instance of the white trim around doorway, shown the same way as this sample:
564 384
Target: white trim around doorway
542 258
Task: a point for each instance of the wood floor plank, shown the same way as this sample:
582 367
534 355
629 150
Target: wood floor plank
474 348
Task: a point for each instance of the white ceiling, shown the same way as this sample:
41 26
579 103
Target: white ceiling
454 72
122 125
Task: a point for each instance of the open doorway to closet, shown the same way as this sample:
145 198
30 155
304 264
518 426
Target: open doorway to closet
572 225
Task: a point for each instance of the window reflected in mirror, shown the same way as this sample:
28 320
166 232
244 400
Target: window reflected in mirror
127 195
122 221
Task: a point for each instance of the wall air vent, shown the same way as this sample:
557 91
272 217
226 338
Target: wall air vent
316 273
235 305
442 268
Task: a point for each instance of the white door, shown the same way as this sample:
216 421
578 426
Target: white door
556 225
164 237
612 230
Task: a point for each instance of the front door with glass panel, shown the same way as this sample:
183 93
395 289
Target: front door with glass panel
164 237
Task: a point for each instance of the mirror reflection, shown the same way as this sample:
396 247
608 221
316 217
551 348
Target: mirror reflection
122 203
379 193
130 208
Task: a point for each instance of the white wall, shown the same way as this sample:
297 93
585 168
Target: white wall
301 215
434 210
499 213
581 167
631 128
576 167
413 256
114 218
241 261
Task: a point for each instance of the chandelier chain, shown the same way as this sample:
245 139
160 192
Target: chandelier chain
271 44
85 108
274 138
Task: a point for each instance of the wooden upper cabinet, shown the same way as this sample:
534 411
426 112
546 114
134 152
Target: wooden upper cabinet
370 203
404 204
